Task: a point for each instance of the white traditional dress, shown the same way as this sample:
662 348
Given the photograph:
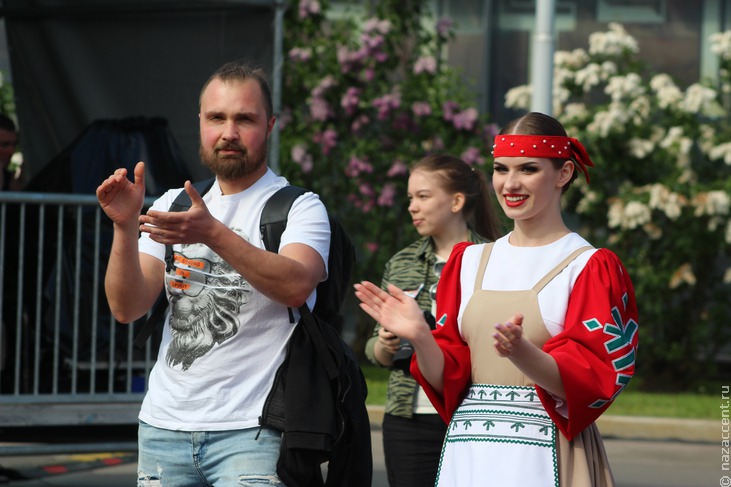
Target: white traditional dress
578 305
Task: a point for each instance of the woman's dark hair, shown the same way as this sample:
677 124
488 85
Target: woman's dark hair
459 177
535 123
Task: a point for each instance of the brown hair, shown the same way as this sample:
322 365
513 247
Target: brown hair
535 123
240 71
459 177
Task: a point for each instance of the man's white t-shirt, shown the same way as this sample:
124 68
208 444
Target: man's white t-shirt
223 340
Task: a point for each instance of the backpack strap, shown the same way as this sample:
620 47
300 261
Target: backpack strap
272 224
273 220
274 215
182 202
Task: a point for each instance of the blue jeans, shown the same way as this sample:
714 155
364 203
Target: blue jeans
207 458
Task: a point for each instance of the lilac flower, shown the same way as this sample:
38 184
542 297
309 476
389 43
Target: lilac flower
367 75
421 109
398 168
433 145
448 109
388 195
300 54
403 121
490 131
444 26
372 43
301 157
319 109
327 140
351 60
466 119
374 24
366 189
307 164
298 153
363 204
308 7
325 84
472 156
425 64
358 166
284 117
359 123
386 103
350 100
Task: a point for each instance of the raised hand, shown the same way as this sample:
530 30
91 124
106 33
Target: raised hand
394 310
508 335
122 199
184 227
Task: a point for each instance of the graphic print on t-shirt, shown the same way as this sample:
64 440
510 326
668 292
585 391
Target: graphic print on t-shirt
206 295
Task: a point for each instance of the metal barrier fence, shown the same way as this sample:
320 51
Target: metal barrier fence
63 358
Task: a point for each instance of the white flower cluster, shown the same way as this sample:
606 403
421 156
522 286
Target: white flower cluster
662 199
640 148
612 43
519 97
613 120
574 113
714 204
683 275
570 59
676 142
697 99
700 99
587 202
633 214
721 44
721 151
628 216
589 76
625 87
667 92
706 138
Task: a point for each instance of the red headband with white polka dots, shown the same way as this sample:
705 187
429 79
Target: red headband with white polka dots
543 146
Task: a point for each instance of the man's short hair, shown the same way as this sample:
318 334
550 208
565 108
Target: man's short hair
240 71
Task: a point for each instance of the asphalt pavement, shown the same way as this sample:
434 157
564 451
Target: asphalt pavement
642 453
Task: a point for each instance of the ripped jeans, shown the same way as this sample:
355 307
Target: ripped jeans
207 458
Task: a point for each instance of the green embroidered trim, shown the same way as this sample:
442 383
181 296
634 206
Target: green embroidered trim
475 420
511 412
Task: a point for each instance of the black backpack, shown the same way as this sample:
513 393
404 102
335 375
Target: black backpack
319 392
331 292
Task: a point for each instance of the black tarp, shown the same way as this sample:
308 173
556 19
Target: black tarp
77 61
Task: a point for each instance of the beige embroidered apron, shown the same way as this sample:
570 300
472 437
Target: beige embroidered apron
501 435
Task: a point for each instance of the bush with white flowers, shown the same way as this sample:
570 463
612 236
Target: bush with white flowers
659 195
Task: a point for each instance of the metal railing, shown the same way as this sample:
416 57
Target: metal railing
64 360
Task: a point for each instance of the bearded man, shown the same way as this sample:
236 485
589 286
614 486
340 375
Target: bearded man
228 324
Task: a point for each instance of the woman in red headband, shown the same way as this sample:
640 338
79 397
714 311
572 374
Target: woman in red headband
537 332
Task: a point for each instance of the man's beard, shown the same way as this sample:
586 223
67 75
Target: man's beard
232 167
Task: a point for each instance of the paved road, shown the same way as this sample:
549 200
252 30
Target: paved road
635 463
